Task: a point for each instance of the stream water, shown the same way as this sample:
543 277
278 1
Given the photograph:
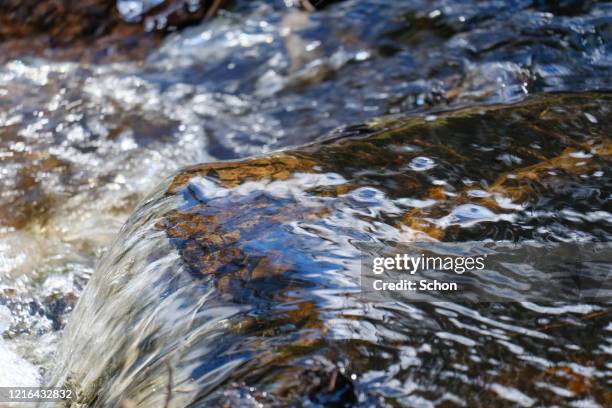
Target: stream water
167 316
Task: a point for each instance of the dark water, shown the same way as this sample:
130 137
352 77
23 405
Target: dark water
81 144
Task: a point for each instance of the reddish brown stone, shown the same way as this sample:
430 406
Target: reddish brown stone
90 30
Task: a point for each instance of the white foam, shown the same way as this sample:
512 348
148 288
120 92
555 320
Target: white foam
15 371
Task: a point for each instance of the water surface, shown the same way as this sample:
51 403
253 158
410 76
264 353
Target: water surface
81 144
239 281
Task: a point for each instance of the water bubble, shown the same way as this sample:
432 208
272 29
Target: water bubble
422 163
367 195
468 214
478 193
472 212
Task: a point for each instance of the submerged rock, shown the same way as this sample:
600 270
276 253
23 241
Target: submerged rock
93 29
238 282
100 30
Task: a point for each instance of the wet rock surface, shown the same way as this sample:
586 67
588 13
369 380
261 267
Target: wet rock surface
101 30
258 77
96 108
238 282
93 30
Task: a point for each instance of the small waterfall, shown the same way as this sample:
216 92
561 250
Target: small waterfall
238 283
136 318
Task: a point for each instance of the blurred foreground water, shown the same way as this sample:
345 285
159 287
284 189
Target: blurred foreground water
81 145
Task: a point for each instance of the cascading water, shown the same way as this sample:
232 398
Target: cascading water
91 121
238 282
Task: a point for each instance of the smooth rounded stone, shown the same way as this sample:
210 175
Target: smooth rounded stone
239 281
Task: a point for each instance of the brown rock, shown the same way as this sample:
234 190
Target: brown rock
90 30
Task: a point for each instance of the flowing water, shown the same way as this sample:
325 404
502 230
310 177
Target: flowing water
238 281
275 317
